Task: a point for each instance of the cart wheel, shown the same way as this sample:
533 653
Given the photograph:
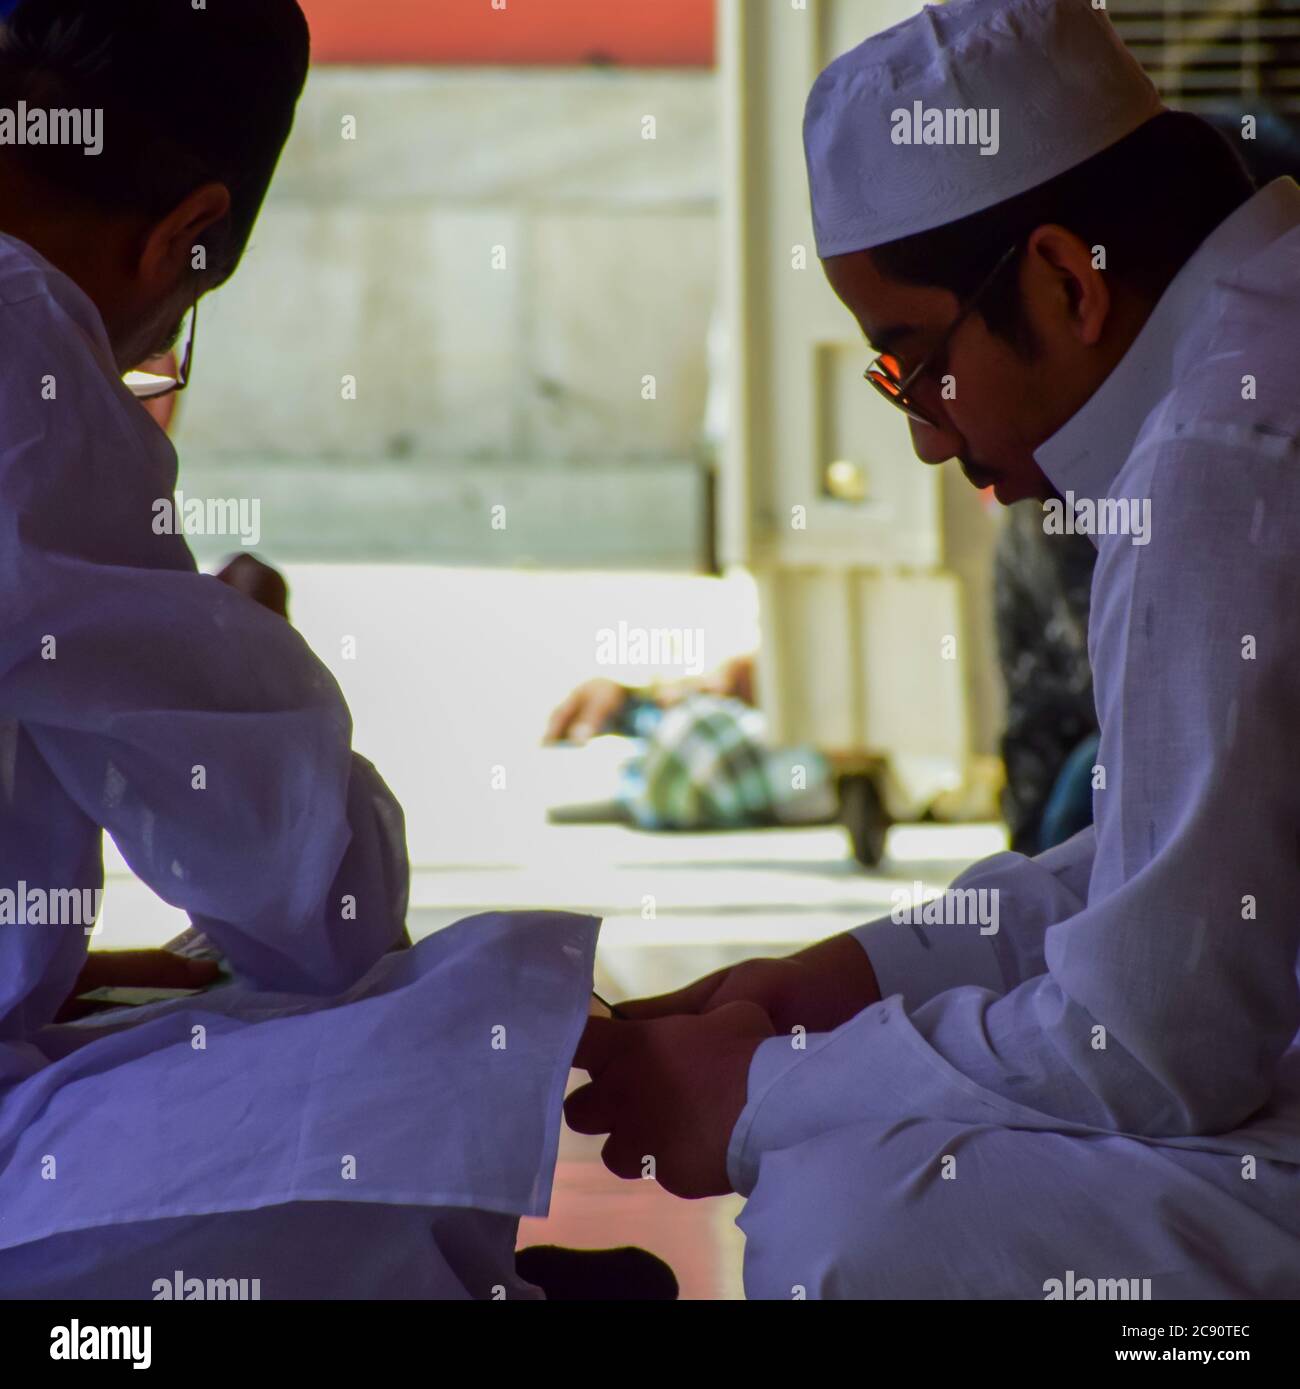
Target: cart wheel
863 814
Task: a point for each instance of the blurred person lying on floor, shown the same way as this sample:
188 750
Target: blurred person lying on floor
705 761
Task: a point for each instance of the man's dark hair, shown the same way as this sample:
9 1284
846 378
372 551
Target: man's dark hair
190 96
1150 200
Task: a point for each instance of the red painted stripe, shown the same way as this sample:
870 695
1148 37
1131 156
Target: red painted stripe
641 33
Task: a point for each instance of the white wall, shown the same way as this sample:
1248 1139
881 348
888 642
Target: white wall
476 385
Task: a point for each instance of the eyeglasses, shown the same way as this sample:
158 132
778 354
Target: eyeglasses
886 372
144 385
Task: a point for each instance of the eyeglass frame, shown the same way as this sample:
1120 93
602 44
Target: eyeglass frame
182 378
901 400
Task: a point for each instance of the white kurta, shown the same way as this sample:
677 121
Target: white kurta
1114 1073
412 1090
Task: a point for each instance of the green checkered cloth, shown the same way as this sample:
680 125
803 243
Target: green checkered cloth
706 766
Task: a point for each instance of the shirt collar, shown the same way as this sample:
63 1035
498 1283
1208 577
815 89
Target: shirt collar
74 300
1085 455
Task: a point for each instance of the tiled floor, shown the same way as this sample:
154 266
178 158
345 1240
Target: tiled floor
593 1209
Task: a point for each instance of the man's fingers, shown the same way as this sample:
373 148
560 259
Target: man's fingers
258 581
150 969
586 712
198 974
592 715
692 999
584 1112
558 724
621 1157
602 1040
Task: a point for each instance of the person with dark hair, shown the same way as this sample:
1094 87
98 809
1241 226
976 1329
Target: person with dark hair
1076 1074
344 1114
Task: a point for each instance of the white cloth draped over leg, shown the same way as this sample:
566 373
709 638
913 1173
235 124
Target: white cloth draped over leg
422 1107
315 1251
866 1212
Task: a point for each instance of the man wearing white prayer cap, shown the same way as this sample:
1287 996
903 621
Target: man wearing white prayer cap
1070 1076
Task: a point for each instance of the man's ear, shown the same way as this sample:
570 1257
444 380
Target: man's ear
1069 267
167 256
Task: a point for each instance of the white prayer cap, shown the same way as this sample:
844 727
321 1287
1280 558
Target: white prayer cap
1042 85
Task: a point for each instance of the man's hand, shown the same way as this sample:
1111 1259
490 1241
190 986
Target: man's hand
817 989
587 711
259 582
670 1090
135 969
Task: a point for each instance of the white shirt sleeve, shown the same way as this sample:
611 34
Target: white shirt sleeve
201 733
919 961
194 726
